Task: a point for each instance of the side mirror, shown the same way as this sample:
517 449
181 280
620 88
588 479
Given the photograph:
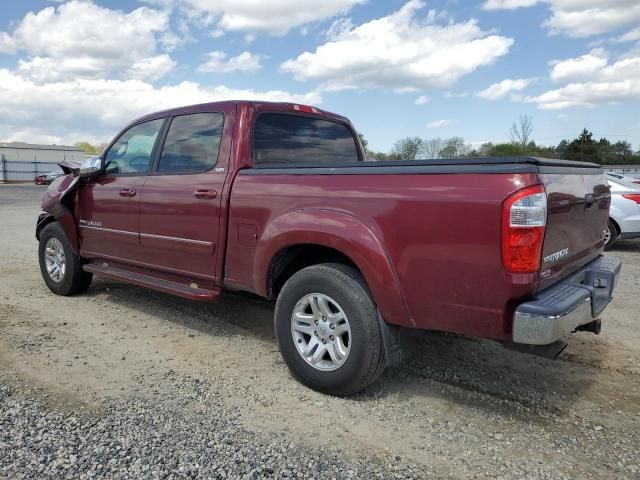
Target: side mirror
111 167
91 167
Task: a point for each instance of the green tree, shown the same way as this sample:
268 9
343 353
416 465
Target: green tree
583 148
454 147
88 148
363 141
408 148
505 150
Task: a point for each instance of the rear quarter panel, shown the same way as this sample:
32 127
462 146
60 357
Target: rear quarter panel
440 233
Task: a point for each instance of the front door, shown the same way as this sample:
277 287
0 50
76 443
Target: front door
108 206
181 199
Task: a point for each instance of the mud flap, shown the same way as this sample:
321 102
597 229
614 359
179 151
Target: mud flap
391 341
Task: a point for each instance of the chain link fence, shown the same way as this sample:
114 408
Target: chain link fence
21 171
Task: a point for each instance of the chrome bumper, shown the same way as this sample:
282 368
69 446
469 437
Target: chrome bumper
558 310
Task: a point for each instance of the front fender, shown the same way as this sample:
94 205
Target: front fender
57 206
346 234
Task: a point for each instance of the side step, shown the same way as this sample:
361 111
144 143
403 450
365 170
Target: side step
191 292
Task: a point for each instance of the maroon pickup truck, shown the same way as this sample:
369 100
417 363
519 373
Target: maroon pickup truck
276 199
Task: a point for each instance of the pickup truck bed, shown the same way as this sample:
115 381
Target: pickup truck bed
427 232
275 199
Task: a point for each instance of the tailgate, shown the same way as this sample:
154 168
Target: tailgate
578 201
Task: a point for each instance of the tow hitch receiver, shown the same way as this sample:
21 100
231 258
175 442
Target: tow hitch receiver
593 327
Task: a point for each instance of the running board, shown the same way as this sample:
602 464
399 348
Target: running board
191 292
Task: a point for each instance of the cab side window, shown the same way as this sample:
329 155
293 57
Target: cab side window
131 153
192 143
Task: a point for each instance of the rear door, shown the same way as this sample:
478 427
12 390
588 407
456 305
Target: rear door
180 208
578 213
108 207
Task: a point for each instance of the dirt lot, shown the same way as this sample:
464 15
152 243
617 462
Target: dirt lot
125 382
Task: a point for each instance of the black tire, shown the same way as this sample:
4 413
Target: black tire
613 235
366 359
75 279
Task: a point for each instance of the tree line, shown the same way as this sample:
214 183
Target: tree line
584 148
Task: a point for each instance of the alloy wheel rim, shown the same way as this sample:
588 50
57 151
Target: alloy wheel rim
54 259
321 332
607 236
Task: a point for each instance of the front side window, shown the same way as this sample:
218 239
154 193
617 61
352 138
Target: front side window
132 152
284 138
192 143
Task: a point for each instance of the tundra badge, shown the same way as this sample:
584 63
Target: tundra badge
554 257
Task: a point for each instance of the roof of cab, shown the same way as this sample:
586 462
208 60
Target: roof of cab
258 104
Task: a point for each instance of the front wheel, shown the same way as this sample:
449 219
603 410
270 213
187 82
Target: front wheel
61 268
326 324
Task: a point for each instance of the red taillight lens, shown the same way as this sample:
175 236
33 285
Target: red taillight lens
632 196
524 218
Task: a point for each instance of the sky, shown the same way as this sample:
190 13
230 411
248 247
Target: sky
79 70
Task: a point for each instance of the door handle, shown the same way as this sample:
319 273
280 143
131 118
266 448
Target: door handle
128 192
205 194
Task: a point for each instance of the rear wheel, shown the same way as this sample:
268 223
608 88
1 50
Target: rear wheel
327 328
610 235
61 269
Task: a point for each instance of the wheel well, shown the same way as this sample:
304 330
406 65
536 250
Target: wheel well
292 259
43 224
615 224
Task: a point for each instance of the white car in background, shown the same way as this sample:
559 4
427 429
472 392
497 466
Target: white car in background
624 215
622 178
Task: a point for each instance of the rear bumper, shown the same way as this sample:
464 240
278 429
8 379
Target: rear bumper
576 300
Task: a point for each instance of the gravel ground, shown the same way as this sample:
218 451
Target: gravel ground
122 382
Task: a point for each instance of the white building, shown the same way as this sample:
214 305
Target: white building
23 161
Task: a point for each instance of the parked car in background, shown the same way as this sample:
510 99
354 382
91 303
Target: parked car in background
624 178
624 214
47 178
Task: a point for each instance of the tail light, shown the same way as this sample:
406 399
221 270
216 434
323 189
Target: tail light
632 196
524 218
303 108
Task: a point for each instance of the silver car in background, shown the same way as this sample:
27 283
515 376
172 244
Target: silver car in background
624 216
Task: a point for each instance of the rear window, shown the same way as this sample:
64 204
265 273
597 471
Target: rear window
282 138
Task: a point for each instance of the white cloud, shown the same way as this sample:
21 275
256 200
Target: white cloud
501 89
338 28
274 17
217 63
507 4
580 18
152 68
422 99
439 123
456 94
98 108
32 136
615 82
591 17
630 36
400 52
578 68
81 39
7 43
